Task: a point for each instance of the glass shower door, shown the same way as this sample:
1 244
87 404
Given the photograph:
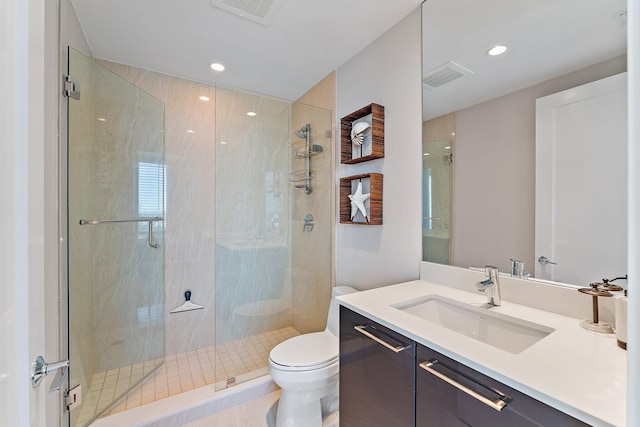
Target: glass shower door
116 199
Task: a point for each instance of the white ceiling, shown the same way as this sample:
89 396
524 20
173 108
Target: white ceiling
546 39
306 40
309 38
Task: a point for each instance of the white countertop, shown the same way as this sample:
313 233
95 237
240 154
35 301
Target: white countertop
579 372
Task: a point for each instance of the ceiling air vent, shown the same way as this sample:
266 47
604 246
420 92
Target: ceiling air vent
445 73
260 11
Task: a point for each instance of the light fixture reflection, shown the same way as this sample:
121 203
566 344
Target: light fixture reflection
203 98
251 113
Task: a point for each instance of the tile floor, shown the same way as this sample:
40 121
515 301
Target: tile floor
258 412
179 373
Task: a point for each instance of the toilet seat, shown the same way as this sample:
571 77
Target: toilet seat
306 352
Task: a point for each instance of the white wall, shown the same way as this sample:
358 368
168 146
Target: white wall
388 73
633 361
28 32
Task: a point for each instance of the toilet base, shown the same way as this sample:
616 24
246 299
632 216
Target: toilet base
299 409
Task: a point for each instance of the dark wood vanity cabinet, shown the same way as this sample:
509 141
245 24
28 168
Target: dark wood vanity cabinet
377 373
449 393
388 380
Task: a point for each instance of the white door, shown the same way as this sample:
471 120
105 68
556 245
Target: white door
22 119
581 182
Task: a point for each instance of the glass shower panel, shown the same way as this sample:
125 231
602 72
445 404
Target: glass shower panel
438 139
437 158
273 279
252 231
116 203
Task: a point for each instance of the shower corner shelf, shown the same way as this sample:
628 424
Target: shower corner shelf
377 134
375 198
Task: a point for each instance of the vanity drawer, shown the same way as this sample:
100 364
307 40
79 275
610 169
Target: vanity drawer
377 373
451 394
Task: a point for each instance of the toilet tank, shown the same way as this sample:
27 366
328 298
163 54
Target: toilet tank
333 317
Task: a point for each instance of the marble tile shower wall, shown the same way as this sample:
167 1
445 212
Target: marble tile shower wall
311 255
311 251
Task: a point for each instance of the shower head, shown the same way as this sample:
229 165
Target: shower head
302 132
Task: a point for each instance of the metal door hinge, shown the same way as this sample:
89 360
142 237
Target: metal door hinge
71 88
73 398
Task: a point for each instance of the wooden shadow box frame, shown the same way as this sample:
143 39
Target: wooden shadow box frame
375 198
377 134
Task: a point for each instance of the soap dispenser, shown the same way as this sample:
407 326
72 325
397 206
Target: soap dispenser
620 304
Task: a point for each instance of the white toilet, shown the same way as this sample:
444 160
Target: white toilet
306 369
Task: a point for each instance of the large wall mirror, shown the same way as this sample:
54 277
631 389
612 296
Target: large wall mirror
481 118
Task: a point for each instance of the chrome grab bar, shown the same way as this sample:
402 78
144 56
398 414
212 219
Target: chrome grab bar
102 221
150 220
363 330
498 404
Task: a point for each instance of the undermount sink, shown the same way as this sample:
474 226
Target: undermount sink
498 330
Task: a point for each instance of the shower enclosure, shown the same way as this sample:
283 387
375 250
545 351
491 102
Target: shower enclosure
115 196
232 226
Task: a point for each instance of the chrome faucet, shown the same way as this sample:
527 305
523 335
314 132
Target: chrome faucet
517 269
490 286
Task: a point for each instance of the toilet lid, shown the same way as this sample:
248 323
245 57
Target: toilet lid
318 348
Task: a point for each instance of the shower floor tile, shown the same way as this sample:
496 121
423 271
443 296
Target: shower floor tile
179 373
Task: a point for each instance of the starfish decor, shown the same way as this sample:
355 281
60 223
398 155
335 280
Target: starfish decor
357 202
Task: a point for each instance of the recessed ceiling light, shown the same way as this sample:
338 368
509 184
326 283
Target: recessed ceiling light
251 113
203 98
191 131
497 50
216 66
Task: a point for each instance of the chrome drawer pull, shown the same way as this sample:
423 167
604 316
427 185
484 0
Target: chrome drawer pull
497 404
363 330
